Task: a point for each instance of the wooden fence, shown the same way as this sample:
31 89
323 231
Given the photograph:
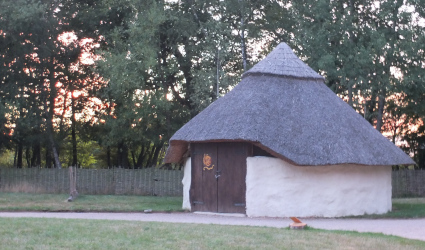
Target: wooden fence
150 181
408 183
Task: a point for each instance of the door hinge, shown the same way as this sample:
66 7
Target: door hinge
198 202
239 204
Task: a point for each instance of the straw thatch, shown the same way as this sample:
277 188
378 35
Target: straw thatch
284 107
283 62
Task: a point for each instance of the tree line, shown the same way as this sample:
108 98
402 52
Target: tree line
101 83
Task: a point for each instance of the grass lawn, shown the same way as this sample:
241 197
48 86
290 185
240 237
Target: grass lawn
87 203
407 208
35 233
402 208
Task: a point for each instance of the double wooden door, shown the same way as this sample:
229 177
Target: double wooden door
218 176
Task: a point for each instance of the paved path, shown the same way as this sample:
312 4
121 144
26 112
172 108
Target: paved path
408 228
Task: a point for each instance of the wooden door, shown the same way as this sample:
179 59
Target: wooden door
218 176
203 189
231 183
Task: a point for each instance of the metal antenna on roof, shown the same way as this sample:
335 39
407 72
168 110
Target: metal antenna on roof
218 72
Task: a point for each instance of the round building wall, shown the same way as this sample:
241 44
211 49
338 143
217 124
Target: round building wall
187 179
276 188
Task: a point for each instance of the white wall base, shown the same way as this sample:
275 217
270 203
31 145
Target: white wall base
276 188
187 179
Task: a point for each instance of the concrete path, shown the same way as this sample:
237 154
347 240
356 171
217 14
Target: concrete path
408 228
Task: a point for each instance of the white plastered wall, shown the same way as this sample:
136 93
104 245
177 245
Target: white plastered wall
276 188
187 179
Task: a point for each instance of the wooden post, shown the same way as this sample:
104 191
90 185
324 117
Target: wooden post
72 183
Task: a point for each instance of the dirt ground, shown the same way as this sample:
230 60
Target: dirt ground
407 228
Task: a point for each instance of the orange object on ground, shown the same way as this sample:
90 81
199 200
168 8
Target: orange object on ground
297 224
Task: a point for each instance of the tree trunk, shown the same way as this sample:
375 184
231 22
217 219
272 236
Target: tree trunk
48 157
54 150
394 135
108 157
15 158
35 155
50 136
118 161
73 132
148 163
28 156
20 153
369 109
243 45
133 158
156 153
50 113
350 94
141 157
381 103
122 155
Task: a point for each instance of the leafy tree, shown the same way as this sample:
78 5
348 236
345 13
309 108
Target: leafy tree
22 81
162 62
360 47
167 61
39 69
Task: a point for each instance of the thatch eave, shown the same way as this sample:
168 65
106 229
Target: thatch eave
179 150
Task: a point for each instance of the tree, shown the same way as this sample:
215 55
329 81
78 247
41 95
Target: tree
359 46
39 67
162 62
167 61
22 71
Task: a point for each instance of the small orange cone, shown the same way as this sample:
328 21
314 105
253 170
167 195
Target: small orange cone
297 224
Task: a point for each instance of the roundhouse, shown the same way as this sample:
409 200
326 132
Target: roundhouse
282 144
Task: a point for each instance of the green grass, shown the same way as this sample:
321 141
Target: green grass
87 203
36 233
403 208
408 208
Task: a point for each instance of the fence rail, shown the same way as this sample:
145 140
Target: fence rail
150 181
408 183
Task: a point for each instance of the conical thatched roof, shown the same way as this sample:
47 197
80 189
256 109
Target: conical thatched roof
283 62
284 107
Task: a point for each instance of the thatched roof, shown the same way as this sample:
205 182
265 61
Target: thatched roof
284 107
283 62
